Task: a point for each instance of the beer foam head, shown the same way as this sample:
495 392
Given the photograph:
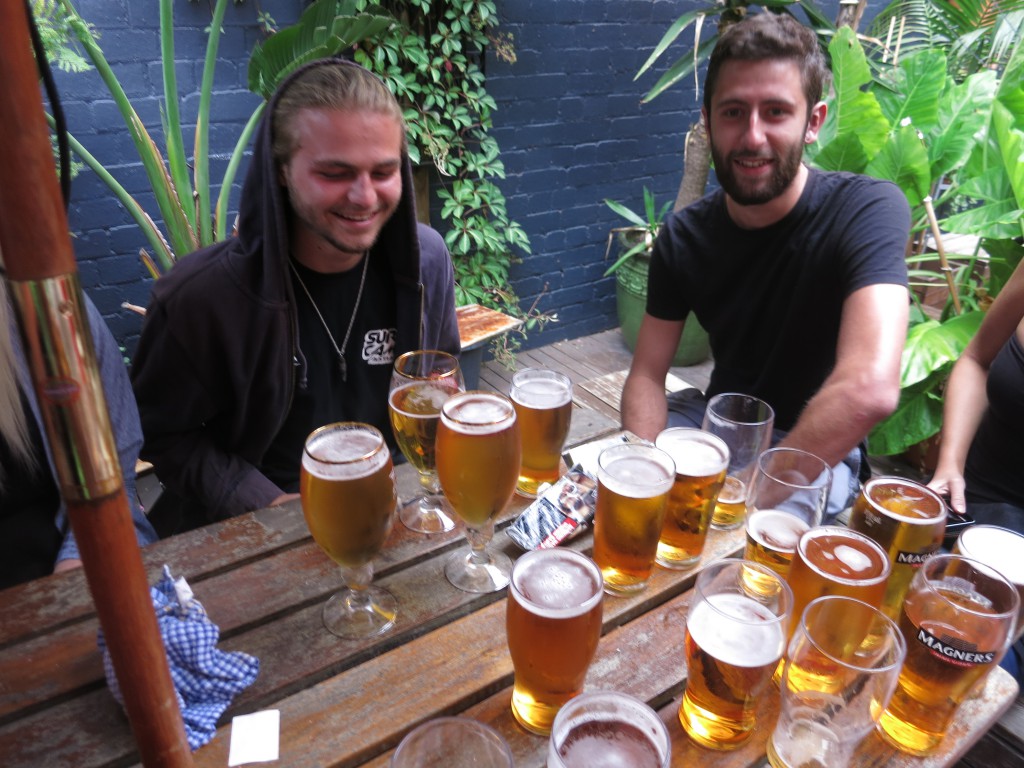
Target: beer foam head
998 548
696 453
420 399
344 451
843 555
637 471
541 389
776 529
477 413
737 630
557 583
904 500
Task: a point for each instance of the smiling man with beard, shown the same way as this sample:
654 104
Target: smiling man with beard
798 275
294 322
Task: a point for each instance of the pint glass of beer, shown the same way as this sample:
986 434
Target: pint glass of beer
745 424
452 742
478 464
998 548
420 383
606 728
908 521
787 498
957 618
633 481
841 668
701 460
553 623
735 637
543 402
348 493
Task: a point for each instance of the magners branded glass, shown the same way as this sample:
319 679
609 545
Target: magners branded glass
553 623
998 548
701 460
957 618
908 521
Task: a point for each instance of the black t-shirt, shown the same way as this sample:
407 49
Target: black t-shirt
29 538
325 396
996 458
771 299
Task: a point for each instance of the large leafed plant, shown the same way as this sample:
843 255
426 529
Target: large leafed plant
947 144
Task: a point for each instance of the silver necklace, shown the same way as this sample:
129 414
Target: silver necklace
352 321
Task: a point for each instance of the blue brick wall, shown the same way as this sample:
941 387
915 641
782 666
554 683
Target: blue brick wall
569 122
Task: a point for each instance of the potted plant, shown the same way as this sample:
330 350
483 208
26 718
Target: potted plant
943 136
632 262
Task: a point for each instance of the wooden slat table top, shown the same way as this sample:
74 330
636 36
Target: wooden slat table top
348 703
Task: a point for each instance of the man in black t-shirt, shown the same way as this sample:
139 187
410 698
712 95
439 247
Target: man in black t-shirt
798 276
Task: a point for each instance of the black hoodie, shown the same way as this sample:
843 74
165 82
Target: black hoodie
219 357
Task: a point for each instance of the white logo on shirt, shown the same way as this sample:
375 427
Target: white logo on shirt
379 346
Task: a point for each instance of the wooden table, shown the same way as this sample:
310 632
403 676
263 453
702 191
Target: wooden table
348 703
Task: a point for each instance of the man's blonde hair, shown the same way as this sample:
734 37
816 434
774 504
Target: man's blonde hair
13 426
332 84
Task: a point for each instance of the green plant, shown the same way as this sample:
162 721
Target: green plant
959 143
190 218
431 61
642 230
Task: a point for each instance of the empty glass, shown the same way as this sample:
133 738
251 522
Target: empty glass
745 424
452 742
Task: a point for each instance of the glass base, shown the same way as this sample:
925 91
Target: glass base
490 574
427 514
354 614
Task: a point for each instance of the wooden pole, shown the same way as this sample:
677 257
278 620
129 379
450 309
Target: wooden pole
40 264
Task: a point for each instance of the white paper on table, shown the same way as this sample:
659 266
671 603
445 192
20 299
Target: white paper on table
255 738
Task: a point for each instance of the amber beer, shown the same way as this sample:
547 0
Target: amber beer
772 536
832 560
998 548
607 728
478 455
633 482
415 410
731 505
553 623
348 503
701 460
907 520
957 619
543 403
734 640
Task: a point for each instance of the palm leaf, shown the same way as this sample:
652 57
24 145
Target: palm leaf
326 28
674 31
933 346
903 160
682 68
854 111
963 112
916 86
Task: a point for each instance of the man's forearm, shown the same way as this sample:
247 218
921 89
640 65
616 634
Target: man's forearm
644 408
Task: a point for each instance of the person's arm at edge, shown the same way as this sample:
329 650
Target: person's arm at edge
966 398
864 385
127 433
644 407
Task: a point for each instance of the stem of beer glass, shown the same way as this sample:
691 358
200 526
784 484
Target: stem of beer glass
478 539
429 481
358 581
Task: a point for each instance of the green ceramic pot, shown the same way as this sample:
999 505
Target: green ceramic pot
631 295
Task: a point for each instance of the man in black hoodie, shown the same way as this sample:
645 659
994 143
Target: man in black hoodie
252 343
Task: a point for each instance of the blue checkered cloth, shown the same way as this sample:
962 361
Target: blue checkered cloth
205 679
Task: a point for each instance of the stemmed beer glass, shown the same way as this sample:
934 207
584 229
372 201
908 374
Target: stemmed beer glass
420 383
478 454
349 497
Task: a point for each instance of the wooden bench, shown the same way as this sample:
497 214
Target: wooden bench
477 326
